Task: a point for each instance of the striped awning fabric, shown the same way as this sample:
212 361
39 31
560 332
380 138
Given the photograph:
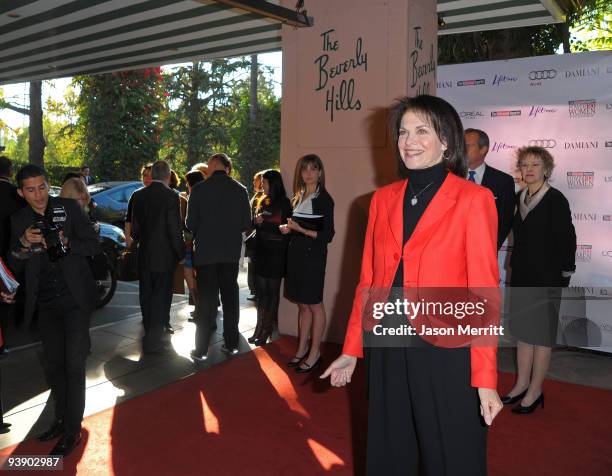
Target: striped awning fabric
44 39
461 16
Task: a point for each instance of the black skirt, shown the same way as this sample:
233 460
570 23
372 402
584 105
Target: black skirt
305 278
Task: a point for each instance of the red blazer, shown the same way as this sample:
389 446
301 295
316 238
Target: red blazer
453 245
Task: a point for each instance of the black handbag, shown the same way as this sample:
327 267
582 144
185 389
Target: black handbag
126 268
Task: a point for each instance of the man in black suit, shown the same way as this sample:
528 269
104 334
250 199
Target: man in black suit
86 175
500 183
218 213
60 284
156 225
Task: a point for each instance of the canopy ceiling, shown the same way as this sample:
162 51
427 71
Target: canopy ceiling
44 39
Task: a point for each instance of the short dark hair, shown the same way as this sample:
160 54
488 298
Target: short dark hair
83 167
483 138
29 171
160 170
223 159
5 166
275 181
193 177
70 175
446 123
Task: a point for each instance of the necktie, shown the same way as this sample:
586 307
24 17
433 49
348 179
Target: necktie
472 177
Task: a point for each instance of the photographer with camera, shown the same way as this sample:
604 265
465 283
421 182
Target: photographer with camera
51 239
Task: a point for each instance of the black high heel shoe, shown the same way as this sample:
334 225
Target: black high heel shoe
308 368
297 360
508 400
521 410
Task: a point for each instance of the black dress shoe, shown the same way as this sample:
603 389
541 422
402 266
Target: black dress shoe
521 410
308 368
4 428
66 444
56 430
228 351
508 400
197 357
168 329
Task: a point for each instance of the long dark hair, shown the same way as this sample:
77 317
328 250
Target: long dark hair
445 122
298 183
276 187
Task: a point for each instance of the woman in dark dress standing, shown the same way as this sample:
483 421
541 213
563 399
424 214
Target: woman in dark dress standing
311 229
543 259
273 210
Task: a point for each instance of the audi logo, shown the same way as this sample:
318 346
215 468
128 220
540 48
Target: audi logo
544 74
546 143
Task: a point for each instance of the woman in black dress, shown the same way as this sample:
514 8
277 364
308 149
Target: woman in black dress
542 262
311 229
273 210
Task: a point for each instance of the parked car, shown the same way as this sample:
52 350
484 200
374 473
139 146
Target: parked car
111 199
112 241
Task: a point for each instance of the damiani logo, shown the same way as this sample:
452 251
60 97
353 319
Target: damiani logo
582 73
582 107
584 216
583 253
471 82
580 180
593 144
505 113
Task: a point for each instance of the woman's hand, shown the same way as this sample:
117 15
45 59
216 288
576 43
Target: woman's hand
295 226
258 220
341 370
490 404
7 298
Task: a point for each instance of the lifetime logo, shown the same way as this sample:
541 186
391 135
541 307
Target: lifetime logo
545 143
543 74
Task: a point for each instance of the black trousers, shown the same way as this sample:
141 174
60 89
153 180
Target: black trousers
424 418
64 332
212 279
155 292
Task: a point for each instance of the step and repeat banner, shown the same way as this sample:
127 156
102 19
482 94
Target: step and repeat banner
563 103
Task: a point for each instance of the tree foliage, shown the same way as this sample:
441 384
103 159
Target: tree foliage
117 129
201 108
583 16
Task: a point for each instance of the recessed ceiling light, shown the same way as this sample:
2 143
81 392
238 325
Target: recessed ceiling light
13 15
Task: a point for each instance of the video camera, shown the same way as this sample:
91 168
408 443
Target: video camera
50 228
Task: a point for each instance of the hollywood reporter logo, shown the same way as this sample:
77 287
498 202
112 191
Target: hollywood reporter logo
544 143
543 74
580 180
584 253
582 108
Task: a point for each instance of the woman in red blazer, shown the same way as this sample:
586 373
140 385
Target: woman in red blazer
434 229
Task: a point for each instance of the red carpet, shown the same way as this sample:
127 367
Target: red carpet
254 416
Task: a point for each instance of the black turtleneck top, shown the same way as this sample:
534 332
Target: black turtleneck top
425 183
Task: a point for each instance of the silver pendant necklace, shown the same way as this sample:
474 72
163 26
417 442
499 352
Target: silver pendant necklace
414 200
